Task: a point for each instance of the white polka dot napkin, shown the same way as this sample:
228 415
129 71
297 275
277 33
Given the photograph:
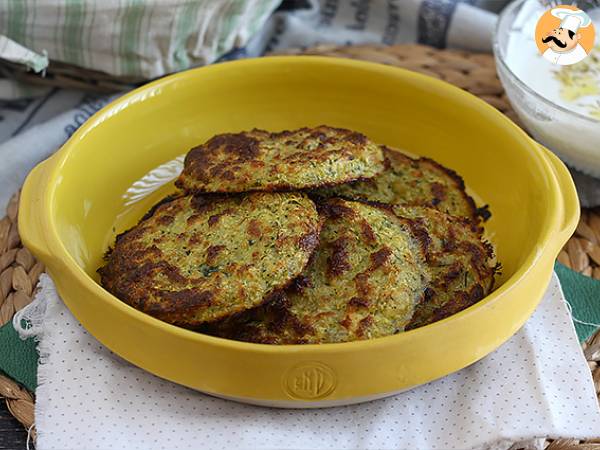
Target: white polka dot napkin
536 384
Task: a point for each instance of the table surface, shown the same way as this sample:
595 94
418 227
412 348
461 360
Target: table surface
12 434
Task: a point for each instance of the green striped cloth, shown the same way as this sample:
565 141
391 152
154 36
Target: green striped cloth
133 38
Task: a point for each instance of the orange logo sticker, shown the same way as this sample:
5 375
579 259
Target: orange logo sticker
565 35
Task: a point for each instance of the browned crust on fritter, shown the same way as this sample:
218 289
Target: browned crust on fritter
188 292
259 160
459 183
462 264
382 187
295 316
163 201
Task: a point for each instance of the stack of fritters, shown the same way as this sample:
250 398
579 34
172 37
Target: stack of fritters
306 236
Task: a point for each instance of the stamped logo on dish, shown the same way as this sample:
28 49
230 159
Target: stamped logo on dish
310 381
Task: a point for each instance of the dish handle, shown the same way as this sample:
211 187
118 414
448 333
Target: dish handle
570 202
32 221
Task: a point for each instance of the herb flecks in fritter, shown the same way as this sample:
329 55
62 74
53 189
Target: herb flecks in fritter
259 160
410 181
396 243
461 263
363 282
197 260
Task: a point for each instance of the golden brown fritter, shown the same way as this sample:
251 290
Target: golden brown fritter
461 264
258 160
197 259
362 282
410 181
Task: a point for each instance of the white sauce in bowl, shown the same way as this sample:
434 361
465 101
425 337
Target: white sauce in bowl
575 87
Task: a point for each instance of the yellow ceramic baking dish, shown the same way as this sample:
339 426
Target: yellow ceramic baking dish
105 177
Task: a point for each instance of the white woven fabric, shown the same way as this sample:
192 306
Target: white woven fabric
536 384
142 39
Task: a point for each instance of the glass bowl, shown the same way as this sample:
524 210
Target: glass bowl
572 136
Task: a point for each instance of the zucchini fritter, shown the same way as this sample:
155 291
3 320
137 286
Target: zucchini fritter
258 160
410 181
194 259
363 281
460 261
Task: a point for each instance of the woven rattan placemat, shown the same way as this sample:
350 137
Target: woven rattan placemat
19 271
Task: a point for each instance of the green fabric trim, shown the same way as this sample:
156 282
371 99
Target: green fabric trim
115 41
130 30
16 16
259 16
184 24
30 30
57 33
88 39
73 32
145 42
230 20
583 294
18 358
